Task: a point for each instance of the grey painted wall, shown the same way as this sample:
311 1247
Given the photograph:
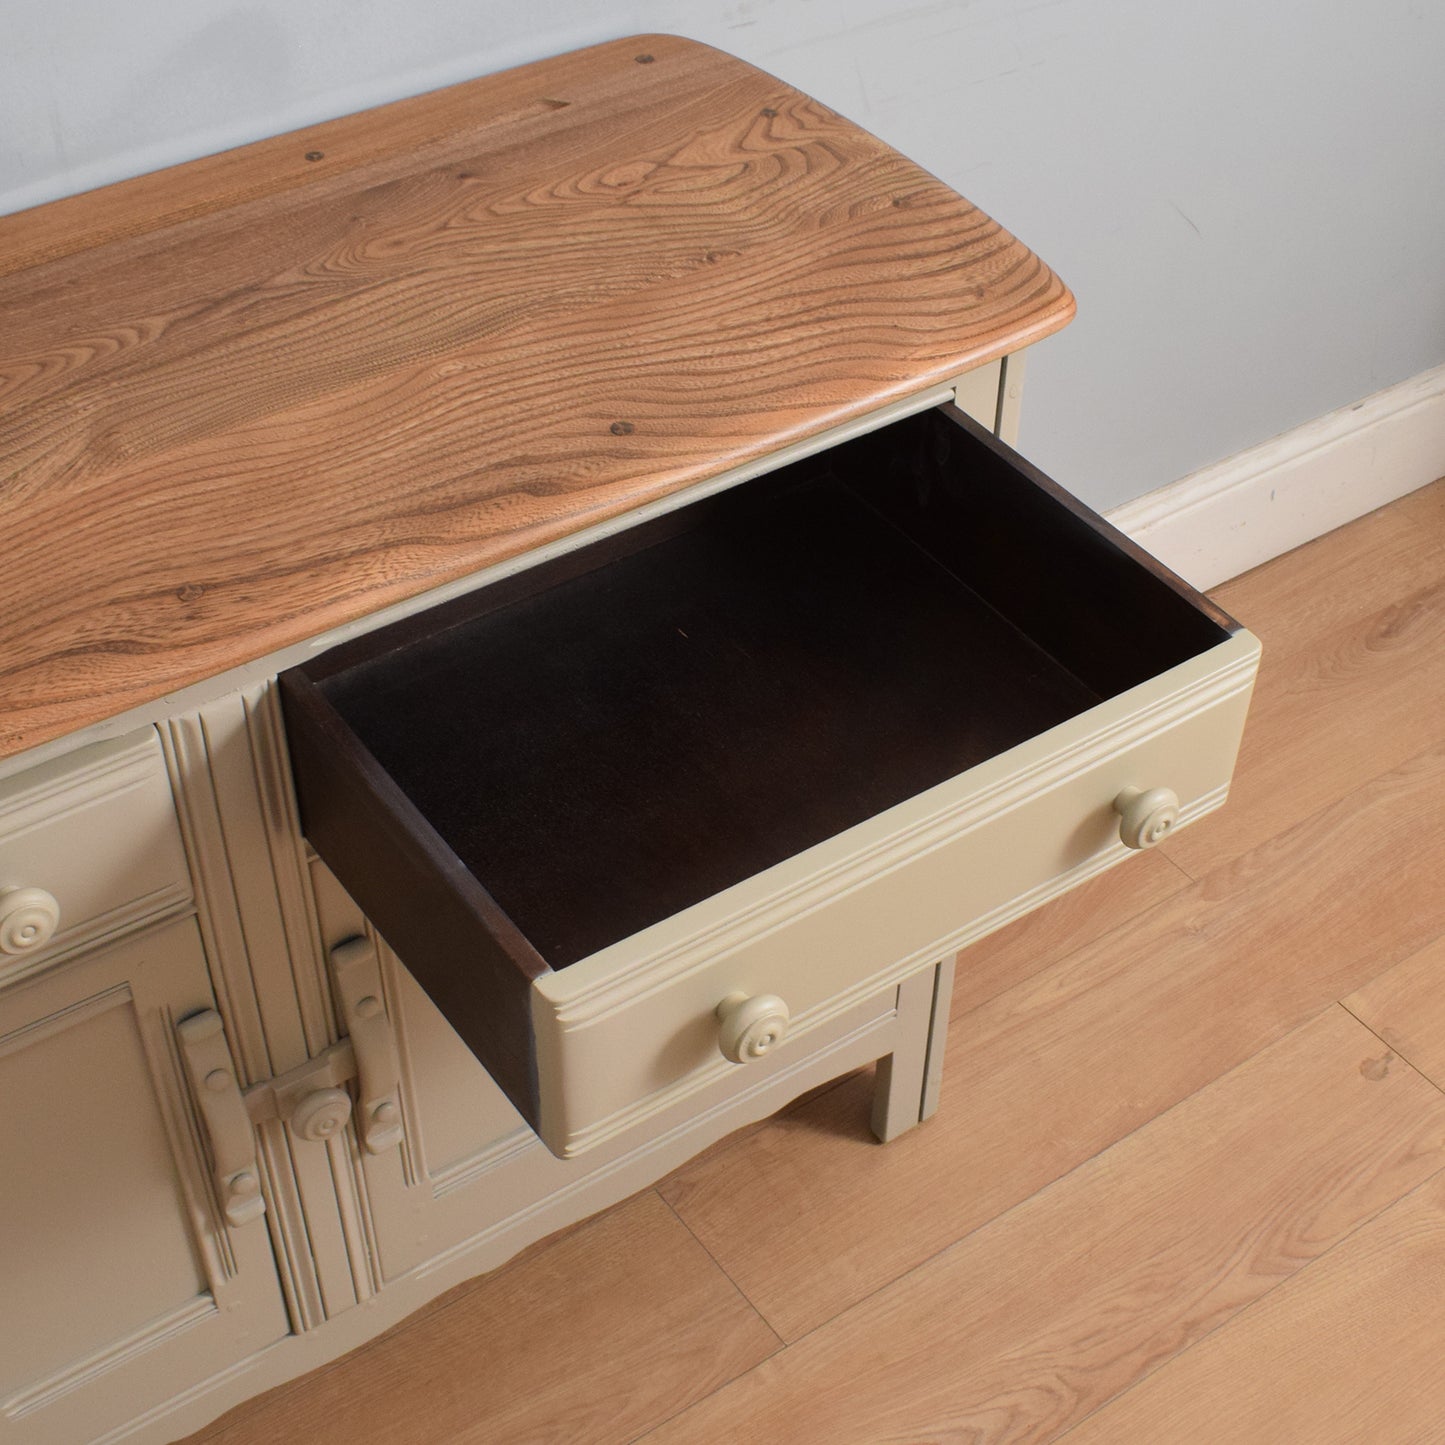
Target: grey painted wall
1248 198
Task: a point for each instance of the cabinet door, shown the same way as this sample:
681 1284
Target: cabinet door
123 1286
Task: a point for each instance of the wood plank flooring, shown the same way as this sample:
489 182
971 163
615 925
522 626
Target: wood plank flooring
1187 1182
1048 1311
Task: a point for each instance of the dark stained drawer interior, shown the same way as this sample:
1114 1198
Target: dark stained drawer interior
628 742
595 744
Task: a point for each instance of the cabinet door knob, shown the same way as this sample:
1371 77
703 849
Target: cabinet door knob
321 1114
751 1027
28 919
1146 816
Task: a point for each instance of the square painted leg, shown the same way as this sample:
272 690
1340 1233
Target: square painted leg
906 1084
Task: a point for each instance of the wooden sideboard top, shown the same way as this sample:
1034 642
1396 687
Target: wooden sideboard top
263 394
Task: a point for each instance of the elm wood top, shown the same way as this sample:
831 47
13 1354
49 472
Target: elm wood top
260 395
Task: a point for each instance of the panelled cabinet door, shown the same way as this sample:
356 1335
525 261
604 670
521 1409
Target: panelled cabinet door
122 1285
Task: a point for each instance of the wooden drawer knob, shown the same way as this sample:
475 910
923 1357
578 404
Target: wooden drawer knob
751 1027
28 919
1146 816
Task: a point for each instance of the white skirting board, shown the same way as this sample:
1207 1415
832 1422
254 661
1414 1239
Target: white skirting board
1231 516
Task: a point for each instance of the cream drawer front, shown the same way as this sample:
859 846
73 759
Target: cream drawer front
683 796
631 1030
88 845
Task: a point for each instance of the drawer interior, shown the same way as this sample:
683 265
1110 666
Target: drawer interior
609 738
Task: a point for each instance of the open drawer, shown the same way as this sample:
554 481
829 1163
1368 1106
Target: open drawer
798 739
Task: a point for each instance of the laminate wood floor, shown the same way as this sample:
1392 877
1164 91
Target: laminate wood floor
1187 1183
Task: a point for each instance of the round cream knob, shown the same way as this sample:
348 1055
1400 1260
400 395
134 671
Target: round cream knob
1146 816
751 1026
321 1115
28 919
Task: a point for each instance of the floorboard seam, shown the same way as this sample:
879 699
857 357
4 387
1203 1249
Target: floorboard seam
779 1349
1408 1062
1054 961
737 1288
1175 863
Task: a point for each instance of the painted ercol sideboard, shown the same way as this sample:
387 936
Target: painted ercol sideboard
561 526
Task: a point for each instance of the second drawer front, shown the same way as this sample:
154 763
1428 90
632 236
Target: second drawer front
89 844
624 1034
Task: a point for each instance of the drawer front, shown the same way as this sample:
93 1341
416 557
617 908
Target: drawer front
89 845
629 1031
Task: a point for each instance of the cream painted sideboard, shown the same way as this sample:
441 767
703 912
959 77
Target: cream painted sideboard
240 1137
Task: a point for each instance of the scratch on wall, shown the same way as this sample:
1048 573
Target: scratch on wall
1187 221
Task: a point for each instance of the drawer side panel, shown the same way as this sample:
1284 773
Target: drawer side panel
1086 594
430 910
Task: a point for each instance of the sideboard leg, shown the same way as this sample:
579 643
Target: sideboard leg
902 1095
937 1037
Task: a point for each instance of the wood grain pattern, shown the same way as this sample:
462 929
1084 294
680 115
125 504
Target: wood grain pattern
1352 674
525 1355
1357 697
261 405
1347 1351
1074 1058
1027 1325
1032 943
1406 1007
